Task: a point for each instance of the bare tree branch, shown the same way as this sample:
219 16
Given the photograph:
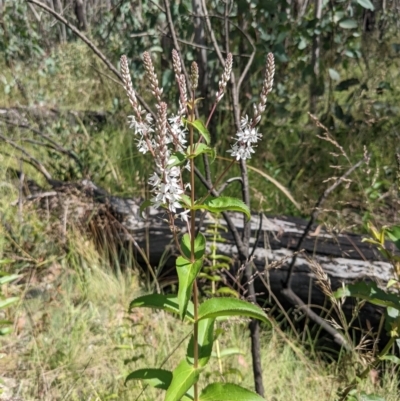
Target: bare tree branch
36 163
314 215
53 144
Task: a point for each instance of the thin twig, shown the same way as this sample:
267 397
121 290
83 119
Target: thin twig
314 215
53 144
196 45
211 32
32 160
228 182
91 45
295 300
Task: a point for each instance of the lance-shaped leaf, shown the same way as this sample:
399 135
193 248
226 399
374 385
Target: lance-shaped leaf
199 126
220 307
225 204
228 352
394 235
5 303
199 246
187 273
183 377
205 341
202 148
158 378
168 303
371 293
176 159
8 278
228 392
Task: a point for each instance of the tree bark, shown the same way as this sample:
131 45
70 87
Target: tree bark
315 59
80 13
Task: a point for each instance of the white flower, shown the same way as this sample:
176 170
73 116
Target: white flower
244 122
246 139
241 151
154 180
168 189
248 136
142 129
184 215
178 131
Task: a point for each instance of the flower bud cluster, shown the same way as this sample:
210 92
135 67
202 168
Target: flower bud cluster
266 89
151 76
225 78
181 81
194 75
160 138
141 126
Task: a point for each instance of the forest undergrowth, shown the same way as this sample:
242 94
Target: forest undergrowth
72 337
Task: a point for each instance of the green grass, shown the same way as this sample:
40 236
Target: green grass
74 339
78 342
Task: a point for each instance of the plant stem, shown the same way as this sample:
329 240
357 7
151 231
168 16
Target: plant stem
192 251
195 336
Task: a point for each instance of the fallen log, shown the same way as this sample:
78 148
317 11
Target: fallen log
343 257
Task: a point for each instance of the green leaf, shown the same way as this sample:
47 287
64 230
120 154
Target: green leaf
168 303
370 292
176 159
6 262
183 377
391 282
186 200
202 148
5 330
8 278
187 273
199 246
223 204
370 397
205 342
334 74
228 352
393 234
391 358
366 4
392 312
348 24
228 392
227 291
217 307
5 303
158 378
199 125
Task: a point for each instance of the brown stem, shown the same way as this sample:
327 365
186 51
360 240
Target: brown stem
192 250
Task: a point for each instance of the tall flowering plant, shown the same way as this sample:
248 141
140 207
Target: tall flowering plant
175 141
